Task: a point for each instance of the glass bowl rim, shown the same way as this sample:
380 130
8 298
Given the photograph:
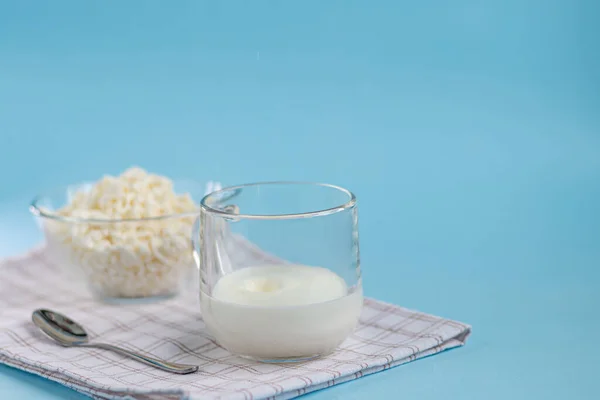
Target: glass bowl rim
38 211
232 191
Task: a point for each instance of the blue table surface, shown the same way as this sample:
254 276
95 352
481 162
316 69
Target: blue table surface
469 130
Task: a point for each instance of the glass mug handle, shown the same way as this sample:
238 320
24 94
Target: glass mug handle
197 228
219 235
196 241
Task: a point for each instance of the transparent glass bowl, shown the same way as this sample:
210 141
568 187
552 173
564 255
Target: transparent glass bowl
120 259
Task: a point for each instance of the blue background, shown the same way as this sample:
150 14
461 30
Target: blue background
469 130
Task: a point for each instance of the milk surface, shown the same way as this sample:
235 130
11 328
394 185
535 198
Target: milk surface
281 312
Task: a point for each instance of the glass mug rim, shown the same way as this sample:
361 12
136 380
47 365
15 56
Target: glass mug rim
232 191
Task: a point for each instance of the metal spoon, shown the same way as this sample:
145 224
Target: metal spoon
69 333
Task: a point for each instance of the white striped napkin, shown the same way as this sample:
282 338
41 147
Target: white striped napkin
387 336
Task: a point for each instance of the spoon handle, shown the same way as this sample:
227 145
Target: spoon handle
160 364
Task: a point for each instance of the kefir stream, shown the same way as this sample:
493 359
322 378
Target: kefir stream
287 312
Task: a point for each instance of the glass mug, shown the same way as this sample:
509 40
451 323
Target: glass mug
279 269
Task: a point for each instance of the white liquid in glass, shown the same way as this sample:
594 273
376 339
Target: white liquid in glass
281 312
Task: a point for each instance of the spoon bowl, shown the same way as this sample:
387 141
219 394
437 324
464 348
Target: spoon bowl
60 328
69 333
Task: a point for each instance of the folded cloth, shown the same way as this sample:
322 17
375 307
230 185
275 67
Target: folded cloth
387 336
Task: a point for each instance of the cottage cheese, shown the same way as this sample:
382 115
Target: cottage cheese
138 257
